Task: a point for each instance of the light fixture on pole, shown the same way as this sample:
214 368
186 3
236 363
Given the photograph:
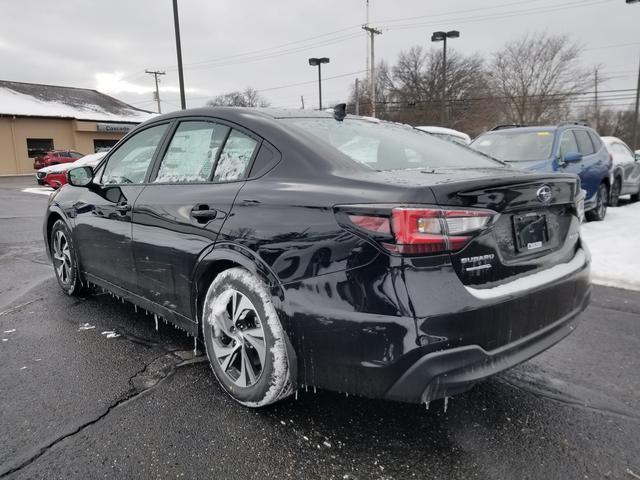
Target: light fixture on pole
318 62
442 37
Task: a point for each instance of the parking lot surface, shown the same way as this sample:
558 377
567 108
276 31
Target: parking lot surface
90 389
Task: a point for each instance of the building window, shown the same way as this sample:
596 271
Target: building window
39 146
103 145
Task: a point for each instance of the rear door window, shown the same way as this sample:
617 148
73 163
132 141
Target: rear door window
568 143
192 153
595 139
585 146
236 156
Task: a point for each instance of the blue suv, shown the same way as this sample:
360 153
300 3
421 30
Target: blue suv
570 147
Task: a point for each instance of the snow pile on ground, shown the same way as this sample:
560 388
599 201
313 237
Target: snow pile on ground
614 247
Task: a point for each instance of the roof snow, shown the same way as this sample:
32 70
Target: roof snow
35 100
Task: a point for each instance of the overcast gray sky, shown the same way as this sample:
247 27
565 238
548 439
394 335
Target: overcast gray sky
229 45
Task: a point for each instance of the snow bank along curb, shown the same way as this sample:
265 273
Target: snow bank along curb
613 244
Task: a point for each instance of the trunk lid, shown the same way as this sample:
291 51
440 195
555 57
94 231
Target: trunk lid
537 225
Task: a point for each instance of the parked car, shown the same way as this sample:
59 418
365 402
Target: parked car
447 134
56 175
625 175
570 147
409 274
54 157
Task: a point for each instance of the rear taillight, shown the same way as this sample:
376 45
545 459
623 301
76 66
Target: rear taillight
419 230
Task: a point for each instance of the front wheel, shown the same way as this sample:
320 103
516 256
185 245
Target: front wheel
246 345
600 211
64 259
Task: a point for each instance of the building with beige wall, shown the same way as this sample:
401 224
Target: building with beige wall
36 118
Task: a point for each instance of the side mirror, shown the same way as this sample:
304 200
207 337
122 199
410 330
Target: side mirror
80 176
572 157
637 157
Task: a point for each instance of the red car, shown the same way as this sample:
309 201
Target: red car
55 157
55 177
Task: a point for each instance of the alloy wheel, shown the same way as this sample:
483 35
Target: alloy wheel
62 257
239 346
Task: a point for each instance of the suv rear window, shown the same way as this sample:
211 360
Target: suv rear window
516 145
389 146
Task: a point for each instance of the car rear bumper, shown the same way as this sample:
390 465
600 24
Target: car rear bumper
450 372
415 335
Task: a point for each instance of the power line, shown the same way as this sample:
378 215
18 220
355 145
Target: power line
494 16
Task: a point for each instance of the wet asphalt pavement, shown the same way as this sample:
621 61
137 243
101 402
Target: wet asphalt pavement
77 401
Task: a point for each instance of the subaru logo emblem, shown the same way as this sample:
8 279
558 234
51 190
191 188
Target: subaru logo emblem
544 194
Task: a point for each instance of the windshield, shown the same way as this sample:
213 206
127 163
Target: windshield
387 146
515 146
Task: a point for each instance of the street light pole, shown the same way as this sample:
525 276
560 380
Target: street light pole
442 37
317 62
176 24
635 114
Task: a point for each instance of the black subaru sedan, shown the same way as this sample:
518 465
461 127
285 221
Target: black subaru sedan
318 249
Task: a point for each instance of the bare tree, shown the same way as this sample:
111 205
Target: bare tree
536 77
247 98
410 91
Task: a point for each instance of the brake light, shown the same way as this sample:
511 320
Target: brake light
419 231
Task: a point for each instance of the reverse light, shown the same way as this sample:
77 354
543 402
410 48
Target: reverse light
422 230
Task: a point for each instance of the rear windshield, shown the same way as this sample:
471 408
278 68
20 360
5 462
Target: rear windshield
388 146
515 146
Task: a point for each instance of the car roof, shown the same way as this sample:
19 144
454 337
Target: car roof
609 140
443 130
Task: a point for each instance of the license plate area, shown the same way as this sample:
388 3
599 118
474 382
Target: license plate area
530 231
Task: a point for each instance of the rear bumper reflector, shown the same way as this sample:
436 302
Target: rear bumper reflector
532 281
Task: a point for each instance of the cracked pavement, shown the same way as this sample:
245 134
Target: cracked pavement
76 404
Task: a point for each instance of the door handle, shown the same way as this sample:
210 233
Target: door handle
202 213
123 207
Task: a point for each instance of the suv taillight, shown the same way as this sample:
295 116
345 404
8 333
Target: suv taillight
419 230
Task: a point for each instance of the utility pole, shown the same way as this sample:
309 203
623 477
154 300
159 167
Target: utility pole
357 95
155 73
176 24
372 73
635 115
367 39
596 104
302 101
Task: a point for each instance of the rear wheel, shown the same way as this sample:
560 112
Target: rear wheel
64 259
246 345
615 193
600 211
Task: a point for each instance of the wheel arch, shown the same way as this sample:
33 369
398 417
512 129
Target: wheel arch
227 255
53 216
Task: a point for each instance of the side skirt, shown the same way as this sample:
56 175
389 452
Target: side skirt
180 321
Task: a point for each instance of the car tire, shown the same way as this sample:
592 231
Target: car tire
635 196
615 193
598 213
248 349
63 256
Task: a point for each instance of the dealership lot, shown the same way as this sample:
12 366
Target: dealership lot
91 389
